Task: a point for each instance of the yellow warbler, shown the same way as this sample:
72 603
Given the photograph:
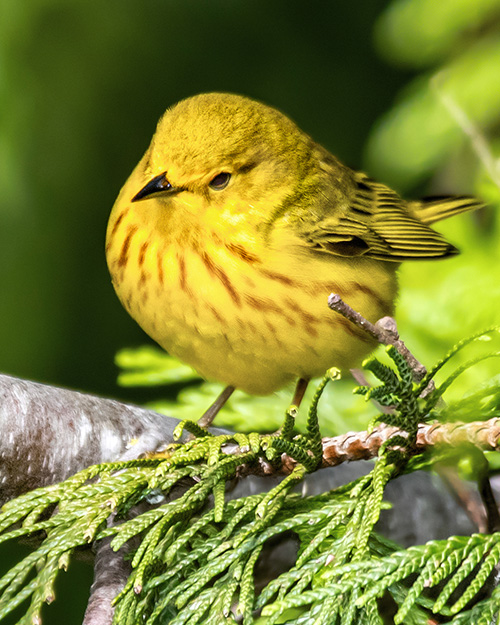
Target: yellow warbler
234 228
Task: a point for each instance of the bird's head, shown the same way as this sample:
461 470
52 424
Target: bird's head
225 154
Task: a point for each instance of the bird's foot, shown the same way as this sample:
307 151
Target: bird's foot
307 448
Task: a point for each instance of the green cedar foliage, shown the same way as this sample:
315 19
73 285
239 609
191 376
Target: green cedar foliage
196 554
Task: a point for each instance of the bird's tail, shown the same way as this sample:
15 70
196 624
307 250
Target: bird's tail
435 208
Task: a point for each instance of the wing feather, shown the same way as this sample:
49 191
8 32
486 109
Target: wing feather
376 222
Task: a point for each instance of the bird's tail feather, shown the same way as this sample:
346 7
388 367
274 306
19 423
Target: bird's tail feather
435 208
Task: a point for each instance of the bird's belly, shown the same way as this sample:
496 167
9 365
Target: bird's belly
244 324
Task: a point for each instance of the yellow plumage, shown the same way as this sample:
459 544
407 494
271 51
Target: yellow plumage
234 228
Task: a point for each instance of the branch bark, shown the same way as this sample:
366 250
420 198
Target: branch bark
50 433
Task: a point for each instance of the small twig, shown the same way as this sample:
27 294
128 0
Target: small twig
384 331
490 504
470 129
479 503
466 495
366 445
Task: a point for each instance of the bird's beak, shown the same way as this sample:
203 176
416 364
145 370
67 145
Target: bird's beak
158 185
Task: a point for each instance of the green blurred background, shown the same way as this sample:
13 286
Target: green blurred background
82 85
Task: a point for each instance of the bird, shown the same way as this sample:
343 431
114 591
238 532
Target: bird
233 229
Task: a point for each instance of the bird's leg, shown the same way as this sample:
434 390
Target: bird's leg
300 388
208 416
306 448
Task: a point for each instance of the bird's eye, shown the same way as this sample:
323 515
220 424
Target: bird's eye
220 181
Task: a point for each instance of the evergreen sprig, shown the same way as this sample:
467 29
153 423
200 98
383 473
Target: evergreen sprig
197 552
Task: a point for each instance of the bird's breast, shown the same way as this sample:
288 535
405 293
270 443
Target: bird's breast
242 313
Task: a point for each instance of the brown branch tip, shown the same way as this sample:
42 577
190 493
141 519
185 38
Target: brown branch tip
384 331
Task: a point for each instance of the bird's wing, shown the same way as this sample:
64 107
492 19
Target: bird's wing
376 223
